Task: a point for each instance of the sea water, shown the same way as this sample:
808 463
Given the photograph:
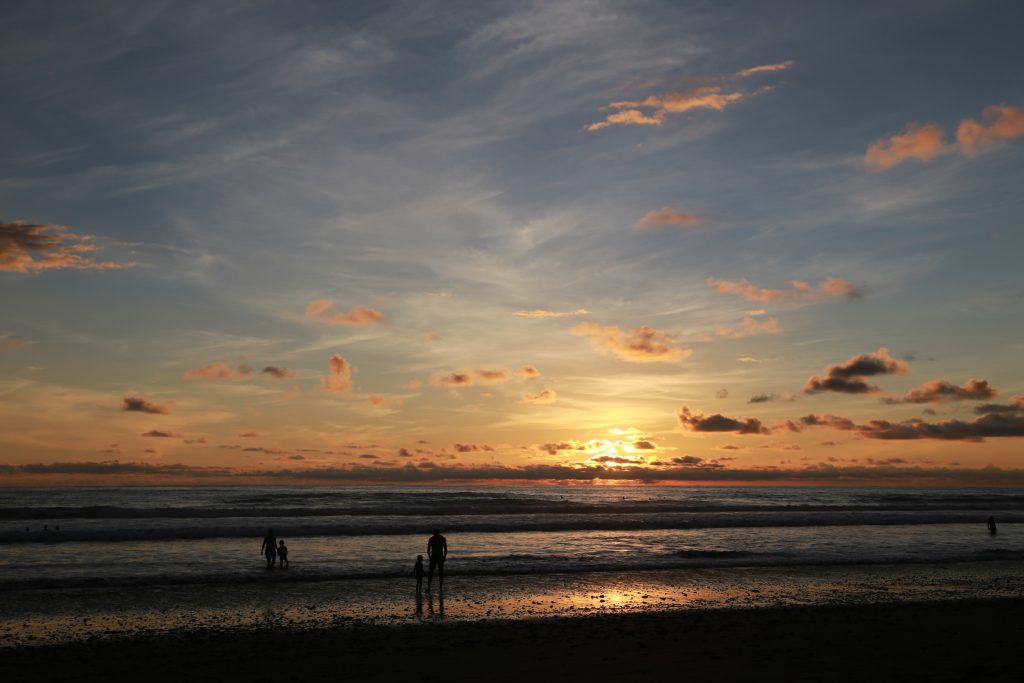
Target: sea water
110 536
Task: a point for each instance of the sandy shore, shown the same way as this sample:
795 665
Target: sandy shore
963 640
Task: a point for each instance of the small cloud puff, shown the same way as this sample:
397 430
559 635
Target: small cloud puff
641 345
798 292
719 423
939 390
218 371
339 380
921 142
322 310
541 397
848 377
667 217
137 404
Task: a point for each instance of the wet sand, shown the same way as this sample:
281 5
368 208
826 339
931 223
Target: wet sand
892 622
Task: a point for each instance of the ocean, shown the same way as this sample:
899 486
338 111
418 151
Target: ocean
153 536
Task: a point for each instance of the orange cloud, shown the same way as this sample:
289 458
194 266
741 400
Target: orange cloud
322 310
8 343
667 217
765 68
939 390
218 371
541 313
1007 123
696 422
799 292
339 380
750 327
630 114
528 372
385 401
642 345
26 247
541 397
452 379
160 434
137 404
277 372
413 384
917 141
497 376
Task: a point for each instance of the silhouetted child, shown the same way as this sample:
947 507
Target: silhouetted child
282 553
417 571
992 525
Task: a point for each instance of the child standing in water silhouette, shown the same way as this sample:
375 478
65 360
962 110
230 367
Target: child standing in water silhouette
282 553
417 571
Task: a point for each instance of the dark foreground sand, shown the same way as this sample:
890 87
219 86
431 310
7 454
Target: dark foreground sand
959 640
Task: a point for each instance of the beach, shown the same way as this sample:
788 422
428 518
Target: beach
963 640
886 622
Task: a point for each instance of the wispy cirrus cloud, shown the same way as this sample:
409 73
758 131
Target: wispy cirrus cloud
939 390
641 345
631 112
219 370
137 404
750 326
668 217
8 343
542 313
696 422
33 247
765 68
339 379
541 397
798 291
322 310
1004 123
850 377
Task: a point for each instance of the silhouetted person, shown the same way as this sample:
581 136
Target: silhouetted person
437 551
46 527
992 525
269 548
282 552
417 571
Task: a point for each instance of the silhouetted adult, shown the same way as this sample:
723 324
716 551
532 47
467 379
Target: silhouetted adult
269 548
992 525
437 551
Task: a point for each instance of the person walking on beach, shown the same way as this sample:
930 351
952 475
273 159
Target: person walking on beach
269 548
417 571
282 552
437 551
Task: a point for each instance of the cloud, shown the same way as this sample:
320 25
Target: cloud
250 435
541 397
497 376
939 390
528 372
1006 123
630 112
137 404
277 372
833 421
413 384
750 327
452 379
799 291
339 380
218 371
322 310
719 423
385 401
430 336
848 377
27 247
762 398
922 142
471 447
995 425
8 343
667 217
641 345
765 68
160 434
542 313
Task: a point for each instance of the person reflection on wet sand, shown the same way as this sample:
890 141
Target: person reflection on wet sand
419 604
440 604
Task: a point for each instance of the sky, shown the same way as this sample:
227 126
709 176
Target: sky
575 241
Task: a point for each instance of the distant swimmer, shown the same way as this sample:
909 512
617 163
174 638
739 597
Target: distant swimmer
992 525
437 551
269 548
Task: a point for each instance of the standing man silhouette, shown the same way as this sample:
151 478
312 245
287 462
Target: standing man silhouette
437 551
